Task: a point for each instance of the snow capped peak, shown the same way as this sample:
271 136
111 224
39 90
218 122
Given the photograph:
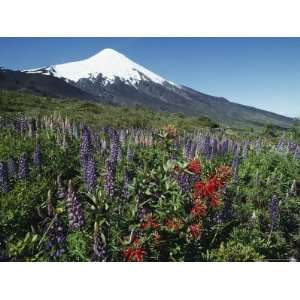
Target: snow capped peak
108 62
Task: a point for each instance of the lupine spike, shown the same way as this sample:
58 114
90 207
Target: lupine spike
37 156
23 166
75 212
109 179
4 183
99 253
90 174
12 168
274 211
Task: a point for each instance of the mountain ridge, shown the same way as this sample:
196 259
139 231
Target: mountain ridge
111 76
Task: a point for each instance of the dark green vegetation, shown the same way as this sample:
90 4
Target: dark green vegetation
12 103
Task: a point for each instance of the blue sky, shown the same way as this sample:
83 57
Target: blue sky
260 72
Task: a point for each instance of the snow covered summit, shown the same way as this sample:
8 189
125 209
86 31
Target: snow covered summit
109 63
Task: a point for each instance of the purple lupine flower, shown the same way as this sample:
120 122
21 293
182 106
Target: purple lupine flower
125 185
90 174
292 146
75 211
99 252
274 211
207 148
55 231
187 150
23 166
56 237
85 145
225 146
183 180
4 183
129 154
214 147
109 179
37 156
114 145
12 168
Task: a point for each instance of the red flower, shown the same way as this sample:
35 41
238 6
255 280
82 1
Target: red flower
199 189
196 230
205 189
174 224
214 201
135 252
149 222
194 166
211 186
199 208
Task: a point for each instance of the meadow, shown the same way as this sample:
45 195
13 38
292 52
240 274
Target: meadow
88 182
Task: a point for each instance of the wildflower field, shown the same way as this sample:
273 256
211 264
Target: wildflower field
75 192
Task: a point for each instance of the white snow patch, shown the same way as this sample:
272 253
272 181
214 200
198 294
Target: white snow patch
109 63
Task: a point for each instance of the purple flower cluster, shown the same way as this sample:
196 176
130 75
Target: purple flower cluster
37 156
90 174
183 180
12 168
207 148
85 145
110 178
75 211
4 184
87 160
187 149
23 172
55 231
56 238
115 149
99 252
274 211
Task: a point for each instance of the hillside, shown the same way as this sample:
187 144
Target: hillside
96 113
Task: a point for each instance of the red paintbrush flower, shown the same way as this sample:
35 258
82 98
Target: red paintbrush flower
199 208
214 201
194 166
199 189
149 222
196 230
134 252
174 224
211 186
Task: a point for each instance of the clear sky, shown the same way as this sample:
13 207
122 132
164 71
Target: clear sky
260 72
